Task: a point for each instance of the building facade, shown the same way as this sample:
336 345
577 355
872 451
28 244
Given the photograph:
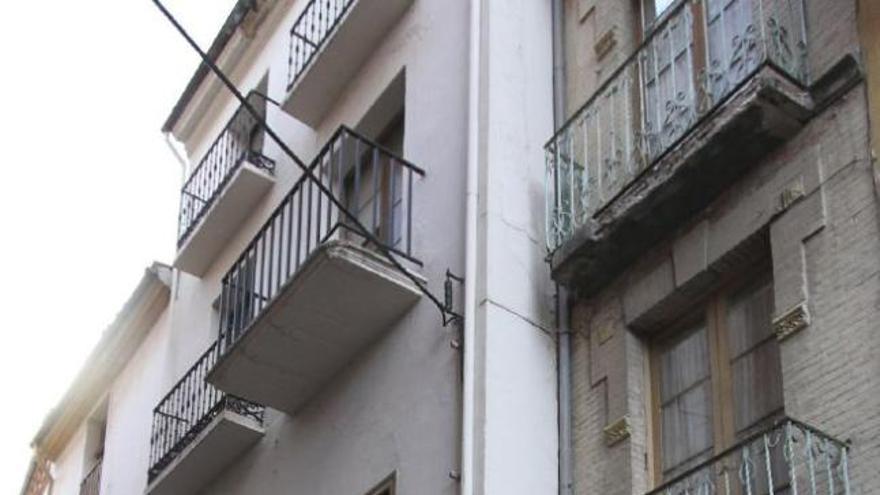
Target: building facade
399 285
713 213
294 356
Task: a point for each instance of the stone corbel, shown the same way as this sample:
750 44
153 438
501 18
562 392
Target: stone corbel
792 321
617 431
799 215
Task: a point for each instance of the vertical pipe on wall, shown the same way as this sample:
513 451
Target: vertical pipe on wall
181 158
183 161
469 402
563 341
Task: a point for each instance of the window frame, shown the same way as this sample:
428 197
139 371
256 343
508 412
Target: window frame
387 179
387 486
712 310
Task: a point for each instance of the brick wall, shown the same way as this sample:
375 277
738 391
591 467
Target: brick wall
824 242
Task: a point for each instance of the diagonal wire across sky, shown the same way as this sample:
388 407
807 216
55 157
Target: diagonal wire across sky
89 189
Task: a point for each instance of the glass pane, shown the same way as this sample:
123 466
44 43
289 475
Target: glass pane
749 317
686 401
757 386
754 357
660 6
684 363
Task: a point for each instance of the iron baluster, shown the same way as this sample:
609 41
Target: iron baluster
186 410
674 89
214 170
256 277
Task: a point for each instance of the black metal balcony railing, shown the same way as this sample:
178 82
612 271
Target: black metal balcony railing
188 409
372 182
692 60
308 34
240 140
91 484
788 458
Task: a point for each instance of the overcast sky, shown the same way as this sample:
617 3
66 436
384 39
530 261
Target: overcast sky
89 189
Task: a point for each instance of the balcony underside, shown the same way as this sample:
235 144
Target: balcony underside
766 111
341 300
221 219
226 438
357 36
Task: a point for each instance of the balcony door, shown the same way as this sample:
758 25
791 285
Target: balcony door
695 52
667 65
732 45
716 379
374 187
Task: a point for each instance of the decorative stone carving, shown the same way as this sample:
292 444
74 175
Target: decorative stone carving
790 195
617 431
585 9
604 333
791 322
605 44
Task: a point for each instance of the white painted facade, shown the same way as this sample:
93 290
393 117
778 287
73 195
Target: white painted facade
396 409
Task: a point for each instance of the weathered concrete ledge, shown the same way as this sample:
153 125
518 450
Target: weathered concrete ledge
340 300
763 113
226 438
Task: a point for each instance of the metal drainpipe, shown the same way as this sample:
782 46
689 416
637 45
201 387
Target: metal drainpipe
563 341
469 460
183 161
563 348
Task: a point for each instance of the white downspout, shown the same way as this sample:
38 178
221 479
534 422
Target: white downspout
563 315
183 161
468 455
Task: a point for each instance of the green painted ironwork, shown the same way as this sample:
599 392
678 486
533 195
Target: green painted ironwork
788 458
657 96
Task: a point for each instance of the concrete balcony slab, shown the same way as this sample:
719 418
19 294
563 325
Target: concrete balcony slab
357 35
223 217
340 300
226 438
761 115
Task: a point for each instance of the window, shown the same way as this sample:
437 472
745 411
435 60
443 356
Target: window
653 12
254 133
716 377
241 298
96 434
374 187
668 70
660 6
386 487
694 46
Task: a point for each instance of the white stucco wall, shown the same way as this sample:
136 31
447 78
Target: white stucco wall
396 407
132 397
130 400
70 466
516 385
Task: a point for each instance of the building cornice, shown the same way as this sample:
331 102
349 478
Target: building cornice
227 50
117 345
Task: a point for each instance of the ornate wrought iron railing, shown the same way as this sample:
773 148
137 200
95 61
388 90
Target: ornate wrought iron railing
312 28
188 409
240 140
789 458
91 484
372 182
694 57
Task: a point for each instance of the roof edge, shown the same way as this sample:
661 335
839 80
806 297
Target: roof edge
117 344
235 18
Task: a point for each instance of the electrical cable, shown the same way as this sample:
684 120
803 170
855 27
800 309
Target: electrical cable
446 313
